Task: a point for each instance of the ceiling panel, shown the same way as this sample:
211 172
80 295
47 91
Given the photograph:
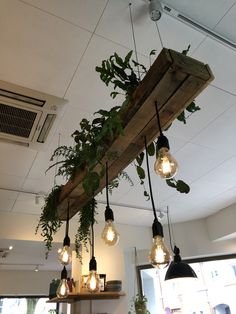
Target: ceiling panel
222 61
213 102
79 12
13 166
26 203
11 182
6 204
48 49
204 12
195 161
227 25
220 134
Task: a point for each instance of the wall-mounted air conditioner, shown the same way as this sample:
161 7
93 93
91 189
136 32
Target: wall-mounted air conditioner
27 117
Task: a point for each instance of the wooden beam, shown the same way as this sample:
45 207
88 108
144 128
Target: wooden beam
174 81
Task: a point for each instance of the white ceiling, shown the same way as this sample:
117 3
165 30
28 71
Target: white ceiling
53 46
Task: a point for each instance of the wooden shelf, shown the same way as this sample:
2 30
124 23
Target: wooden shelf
72 297
174 81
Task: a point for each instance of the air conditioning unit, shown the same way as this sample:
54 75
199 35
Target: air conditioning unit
27 117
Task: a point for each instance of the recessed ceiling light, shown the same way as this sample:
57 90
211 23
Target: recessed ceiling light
59 251
10 247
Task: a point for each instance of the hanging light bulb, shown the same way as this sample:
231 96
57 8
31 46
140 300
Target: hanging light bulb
65 254
109 234
165 165
93 280
63 288
159 255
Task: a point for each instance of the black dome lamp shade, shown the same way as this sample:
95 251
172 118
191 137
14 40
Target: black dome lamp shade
179 269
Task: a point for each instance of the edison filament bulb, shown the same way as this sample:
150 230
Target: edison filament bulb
109 235
159 256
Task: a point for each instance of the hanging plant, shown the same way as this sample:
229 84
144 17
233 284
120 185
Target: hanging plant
139 305
92 140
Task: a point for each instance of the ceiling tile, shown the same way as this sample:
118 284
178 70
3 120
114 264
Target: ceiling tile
204 12
13 166
220 134
82 13
40 186
195 161
26 204
6 204
222 63
11 182
227 25
48 49
213 102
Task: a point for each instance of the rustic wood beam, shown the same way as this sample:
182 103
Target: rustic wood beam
174 81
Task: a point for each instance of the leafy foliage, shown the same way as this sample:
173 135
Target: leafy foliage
139 305
86 220
49 221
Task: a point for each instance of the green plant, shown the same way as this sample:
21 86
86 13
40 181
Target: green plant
125 74
86 220
91 142
49 221
139 305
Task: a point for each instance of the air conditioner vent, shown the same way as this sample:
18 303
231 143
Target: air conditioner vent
27 117
16 121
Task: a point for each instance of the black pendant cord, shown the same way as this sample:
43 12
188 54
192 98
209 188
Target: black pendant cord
149 181
107 191
134 40
158 119
67 219
169 231
92 240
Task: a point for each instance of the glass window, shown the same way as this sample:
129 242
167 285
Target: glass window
212 293
26 305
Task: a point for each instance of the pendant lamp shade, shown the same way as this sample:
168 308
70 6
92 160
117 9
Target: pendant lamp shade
179 269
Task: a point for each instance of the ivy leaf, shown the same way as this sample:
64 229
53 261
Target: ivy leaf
145 193
171 183
152 52
114 94
127 58
141 172
182 117
91 182
192 107
151 149
182 187
185 52
140 158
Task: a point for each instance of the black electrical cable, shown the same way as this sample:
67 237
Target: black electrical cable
158 118
67 219
107 192
149 180
169 231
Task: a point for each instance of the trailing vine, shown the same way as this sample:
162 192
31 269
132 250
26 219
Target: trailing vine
49 221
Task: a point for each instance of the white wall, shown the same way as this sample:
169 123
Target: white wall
22 282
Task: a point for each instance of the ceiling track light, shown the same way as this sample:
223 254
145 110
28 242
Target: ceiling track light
65 254
159 255
109 234
165 165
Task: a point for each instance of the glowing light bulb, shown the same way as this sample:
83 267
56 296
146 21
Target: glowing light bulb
93 281
165 166
65 255
109 234
159 256
63 288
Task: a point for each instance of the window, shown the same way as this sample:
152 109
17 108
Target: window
212 293
26 305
